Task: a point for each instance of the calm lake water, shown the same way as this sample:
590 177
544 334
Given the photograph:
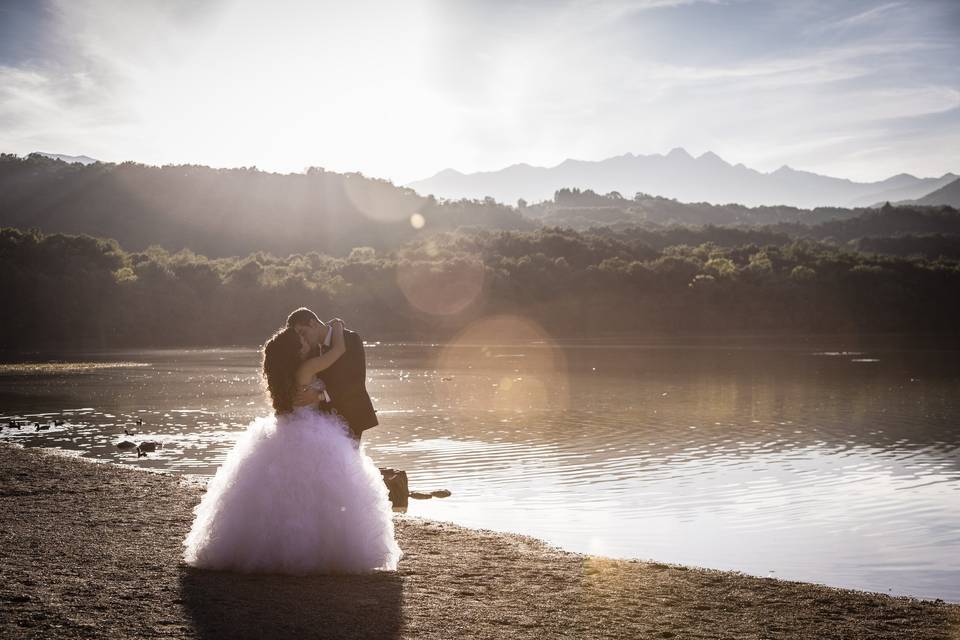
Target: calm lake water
801 462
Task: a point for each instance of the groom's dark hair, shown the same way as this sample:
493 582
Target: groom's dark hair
301 316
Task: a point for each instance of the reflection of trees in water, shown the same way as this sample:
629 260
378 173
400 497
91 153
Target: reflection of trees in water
655 405
569 402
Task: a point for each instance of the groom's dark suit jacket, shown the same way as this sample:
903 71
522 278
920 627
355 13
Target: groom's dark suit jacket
346 381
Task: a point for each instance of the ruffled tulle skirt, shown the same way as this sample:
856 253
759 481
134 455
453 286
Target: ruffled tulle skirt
295 495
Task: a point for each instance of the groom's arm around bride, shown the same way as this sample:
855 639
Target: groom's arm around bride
346 382
346 379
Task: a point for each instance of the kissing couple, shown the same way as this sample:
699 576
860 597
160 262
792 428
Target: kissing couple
297 494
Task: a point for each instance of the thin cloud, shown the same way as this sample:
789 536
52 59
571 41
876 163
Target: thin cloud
869 16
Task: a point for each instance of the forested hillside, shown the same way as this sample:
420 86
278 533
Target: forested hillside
198 256
222 212
585 209
229 212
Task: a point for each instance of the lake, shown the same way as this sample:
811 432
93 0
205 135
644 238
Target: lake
814 461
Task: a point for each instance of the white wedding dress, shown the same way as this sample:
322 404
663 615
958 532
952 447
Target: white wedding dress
295 495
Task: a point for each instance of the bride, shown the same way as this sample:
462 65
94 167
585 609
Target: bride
296 494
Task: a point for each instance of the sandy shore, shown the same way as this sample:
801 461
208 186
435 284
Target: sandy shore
93 550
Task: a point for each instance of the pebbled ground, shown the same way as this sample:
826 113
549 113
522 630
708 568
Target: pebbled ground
93 550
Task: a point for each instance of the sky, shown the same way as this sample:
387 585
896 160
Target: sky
401 90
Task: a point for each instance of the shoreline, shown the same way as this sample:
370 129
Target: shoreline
199 481
775 338
93 549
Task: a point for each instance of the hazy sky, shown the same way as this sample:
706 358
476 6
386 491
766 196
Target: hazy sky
400 90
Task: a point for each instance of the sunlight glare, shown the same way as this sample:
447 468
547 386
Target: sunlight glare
291 89
441 288
530 368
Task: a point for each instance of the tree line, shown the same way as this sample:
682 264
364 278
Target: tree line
77 291
585 209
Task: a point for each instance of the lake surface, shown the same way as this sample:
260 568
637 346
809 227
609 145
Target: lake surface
804 462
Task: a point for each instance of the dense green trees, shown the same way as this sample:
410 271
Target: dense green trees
585 209
931 245
79 291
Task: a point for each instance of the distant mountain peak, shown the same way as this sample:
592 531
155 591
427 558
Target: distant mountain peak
711 157
948 195
66 158
677 174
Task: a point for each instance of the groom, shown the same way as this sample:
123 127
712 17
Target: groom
346 378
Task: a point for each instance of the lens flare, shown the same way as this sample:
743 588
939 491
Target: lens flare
503 363
441 288
379 200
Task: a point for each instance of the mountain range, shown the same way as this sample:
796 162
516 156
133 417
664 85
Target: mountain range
948 195
68 159
678 175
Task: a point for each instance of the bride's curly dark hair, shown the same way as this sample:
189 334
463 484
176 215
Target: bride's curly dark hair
281 357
